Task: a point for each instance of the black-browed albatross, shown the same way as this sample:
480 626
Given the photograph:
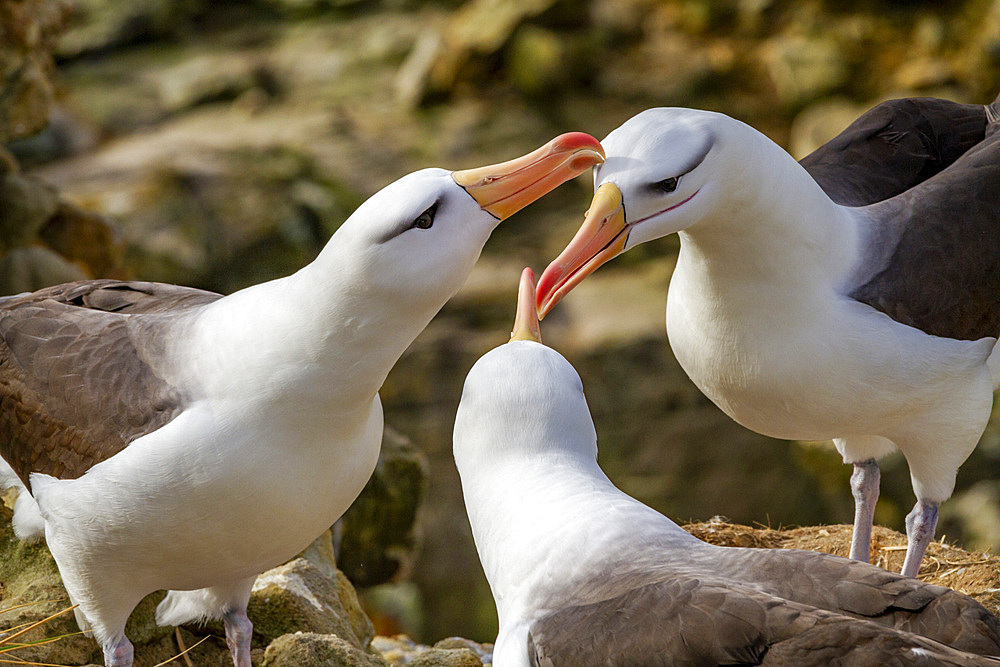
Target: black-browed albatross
176 439
806 319
583 575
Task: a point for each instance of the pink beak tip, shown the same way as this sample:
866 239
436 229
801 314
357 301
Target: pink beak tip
575 141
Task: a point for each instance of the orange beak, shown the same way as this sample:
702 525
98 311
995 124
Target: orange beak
601 237
504 189
526 325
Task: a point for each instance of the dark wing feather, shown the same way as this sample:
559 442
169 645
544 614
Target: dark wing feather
76 384
685 621
933 257
894 146
709 621
865 591
117 296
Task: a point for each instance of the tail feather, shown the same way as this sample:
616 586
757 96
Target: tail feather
993 117
29 526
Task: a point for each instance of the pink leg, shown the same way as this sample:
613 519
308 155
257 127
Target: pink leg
864 487
920 526
239 631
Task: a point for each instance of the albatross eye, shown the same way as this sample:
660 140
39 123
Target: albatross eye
667 184
425 219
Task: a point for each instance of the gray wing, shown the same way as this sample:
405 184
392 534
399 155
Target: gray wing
707 621
893 147
118 296
932 253
76 384
865 591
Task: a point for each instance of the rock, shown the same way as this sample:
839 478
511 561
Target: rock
30 268
298 596
440 657
27 204
380 533
450 652
29 577
306 594
28 29
309 649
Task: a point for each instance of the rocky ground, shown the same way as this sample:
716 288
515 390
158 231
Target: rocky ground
219 144
306 613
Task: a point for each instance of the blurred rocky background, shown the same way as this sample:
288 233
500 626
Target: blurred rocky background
219 143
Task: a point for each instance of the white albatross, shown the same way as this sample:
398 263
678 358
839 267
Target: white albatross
584 575
176 439
805 319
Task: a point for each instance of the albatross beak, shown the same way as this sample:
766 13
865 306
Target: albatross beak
526 320
601 237
504 189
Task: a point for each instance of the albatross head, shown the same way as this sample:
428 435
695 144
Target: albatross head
415 241
664 171
521 402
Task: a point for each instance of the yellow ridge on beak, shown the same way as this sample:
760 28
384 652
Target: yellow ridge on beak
602 236
504 189
526 326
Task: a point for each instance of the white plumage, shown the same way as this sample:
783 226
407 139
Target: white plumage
804 319
273 421
584 575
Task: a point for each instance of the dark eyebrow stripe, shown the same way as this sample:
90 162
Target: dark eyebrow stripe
693 164
405 225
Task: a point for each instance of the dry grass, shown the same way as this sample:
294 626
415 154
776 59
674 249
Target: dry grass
8 646
976 574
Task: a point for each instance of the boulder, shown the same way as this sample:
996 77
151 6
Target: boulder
450 652
309 649
32 591
380 535
299 596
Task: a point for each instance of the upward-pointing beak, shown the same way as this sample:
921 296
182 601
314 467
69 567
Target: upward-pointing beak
602 236
526 325
504 189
